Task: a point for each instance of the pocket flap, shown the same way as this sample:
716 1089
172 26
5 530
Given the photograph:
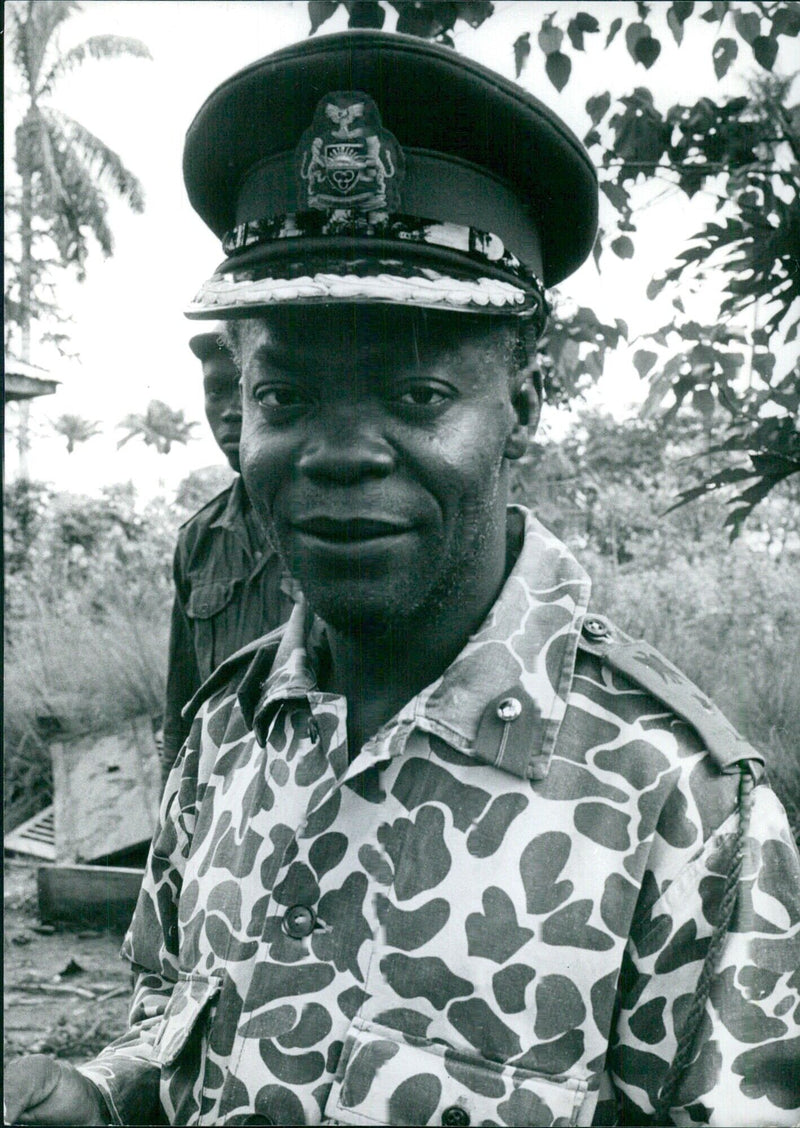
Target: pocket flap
189 997
388 1078
207 600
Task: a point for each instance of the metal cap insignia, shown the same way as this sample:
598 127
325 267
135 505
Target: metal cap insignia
346 159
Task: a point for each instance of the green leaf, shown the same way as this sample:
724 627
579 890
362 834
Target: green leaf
582 24
786 20
474 12
675 25
622 247
597 107
654 287
716 12
647 51
550 38
633 33
522 49
319 11
558 68
748 25
765 49
369 14
723 53
683 9
612 31
643 361
617 196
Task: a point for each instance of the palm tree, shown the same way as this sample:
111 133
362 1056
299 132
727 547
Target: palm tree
75 429
160 427
65 171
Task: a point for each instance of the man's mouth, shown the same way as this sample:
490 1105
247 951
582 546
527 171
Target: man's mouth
350 529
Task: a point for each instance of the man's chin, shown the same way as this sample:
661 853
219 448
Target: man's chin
358 612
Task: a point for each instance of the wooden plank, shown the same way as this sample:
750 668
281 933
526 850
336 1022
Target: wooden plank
101 896
106 792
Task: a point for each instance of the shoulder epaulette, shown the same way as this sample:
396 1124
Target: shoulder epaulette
212 501
645 666
253 660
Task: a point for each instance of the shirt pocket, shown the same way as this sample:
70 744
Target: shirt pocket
207 599
213 626
388 1078
182 1043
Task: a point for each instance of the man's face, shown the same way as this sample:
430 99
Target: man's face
374 445
223 403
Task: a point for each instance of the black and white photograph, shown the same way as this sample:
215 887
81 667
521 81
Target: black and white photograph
401 539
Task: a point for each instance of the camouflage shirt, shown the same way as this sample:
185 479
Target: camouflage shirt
494 913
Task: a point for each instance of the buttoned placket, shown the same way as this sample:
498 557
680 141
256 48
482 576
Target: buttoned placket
298 922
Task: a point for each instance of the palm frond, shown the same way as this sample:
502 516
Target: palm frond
76 201
42 19
100 161
97 47
18 42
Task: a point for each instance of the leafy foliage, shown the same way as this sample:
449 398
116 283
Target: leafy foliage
65 172
75 429
745 150
160 426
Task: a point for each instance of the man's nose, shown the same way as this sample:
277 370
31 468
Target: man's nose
233 409
345 447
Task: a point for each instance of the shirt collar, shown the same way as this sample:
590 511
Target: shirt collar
504 697
232 514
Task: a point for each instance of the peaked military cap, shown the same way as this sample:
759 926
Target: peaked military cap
208 341
372 166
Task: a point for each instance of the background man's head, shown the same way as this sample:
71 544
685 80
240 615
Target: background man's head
221 391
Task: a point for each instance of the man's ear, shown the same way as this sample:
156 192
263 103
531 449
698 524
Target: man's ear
527 405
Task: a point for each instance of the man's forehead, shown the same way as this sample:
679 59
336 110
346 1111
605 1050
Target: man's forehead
362 329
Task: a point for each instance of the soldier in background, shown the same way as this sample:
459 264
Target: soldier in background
229 582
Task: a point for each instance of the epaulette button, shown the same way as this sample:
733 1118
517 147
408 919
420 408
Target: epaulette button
594 627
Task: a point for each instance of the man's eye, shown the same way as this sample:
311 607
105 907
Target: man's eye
279 396
422 395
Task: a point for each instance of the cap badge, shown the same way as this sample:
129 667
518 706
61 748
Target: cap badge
346 159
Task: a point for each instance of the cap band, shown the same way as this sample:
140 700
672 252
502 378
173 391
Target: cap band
482 246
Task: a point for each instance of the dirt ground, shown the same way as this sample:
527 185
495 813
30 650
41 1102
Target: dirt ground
66 990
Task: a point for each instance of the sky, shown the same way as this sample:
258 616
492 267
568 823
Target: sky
129 330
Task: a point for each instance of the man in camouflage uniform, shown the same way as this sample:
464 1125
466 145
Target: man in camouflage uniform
230 586
449 849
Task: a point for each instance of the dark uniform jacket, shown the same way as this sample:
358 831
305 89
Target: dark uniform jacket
229 590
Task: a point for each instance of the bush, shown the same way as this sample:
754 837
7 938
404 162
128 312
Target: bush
86 624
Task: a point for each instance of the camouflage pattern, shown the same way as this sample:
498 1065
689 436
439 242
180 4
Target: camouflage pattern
512 887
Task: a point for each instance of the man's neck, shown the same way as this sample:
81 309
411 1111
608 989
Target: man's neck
379 671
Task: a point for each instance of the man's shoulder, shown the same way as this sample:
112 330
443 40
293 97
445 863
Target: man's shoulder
244 668
641 663
203 517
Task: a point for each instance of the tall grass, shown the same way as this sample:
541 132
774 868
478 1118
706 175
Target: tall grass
68 673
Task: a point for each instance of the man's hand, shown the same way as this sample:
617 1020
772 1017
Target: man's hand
41 1090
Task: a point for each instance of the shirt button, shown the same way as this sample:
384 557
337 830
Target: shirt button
455 1117
298 921
508 710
